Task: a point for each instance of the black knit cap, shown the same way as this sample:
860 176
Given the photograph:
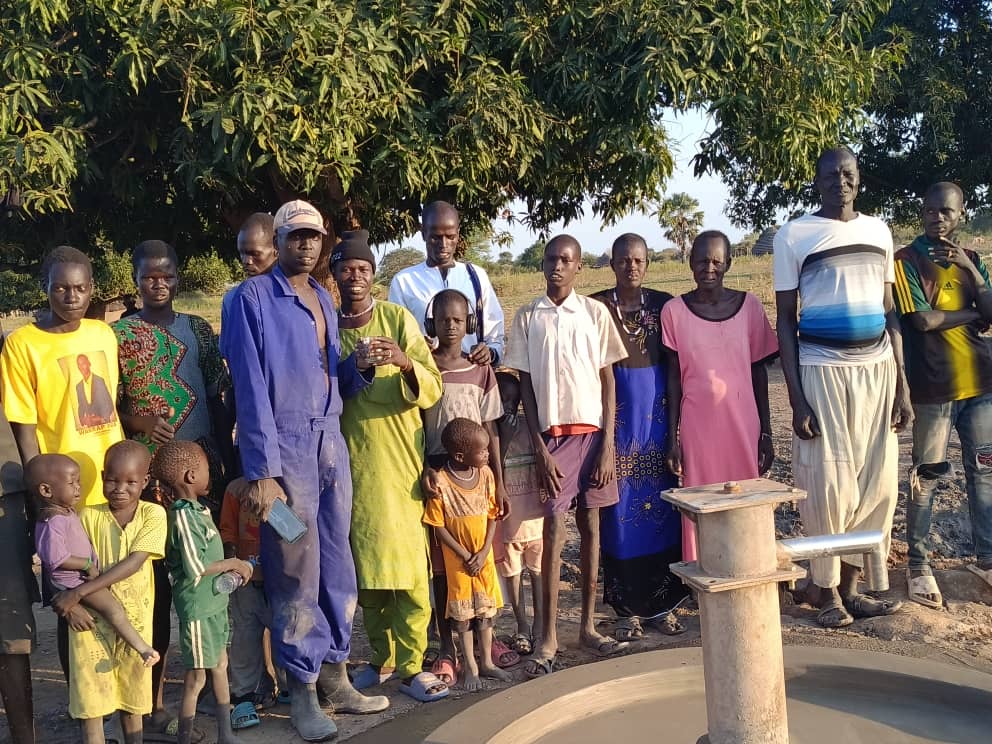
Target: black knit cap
354 244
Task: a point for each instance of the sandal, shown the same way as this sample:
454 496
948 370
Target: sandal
666 624
985 574
628 629
503 656
446 670
162 728
425 688
834 616
522 644
608 647
861 605
432 654
919 587
244 715
366 676
538 667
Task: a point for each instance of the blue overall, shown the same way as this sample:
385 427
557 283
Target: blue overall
288 430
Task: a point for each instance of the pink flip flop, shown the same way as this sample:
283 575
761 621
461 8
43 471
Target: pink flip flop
503 655
446 670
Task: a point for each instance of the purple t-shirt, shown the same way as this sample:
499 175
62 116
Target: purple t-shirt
58 538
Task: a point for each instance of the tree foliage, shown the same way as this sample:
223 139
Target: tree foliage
932 122
929 122
137 119
395 261
681 218
532 257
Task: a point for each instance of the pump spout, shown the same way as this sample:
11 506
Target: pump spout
870 544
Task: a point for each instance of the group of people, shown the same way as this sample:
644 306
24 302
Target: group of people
430 465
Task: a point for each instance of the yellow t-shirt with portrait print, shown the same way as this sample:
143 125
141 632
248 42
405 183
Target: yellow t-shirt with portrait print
65 384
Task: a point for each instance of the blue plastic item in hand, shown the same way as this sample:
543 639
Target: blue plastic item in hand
286 522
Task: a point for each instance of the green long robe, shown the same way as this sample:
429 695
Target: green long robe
384 431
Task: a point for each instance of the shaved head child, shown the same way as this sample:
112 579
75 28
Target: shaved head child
195 557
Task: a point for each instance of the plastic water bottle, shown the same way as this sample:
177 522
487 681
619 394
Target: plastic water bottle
228 581
286 522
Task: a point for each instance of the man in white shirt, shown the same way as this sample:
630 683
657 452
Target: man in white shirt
564 346
414 287
841 350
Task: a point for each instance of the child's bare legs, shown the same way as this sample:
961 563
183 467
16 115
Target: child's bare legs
472 683
131 724
486 667
15 689
222 693
554 541
106 604
443 623
193 682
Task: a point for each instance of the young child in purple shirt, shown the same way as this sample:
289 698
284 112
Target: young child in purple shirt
65 551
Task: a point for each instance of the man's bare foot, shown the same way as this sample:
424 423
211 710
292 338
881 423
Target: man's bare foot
493 672
150 656
602 645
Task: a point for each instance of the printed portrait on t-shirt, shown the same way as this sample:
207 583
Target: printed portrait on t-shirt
92 401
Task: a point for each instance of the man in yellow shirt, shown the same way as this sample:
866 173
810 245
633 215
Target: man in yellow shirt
44 367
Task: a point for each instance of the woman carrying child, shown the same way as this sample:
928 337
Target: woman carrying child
719 340
464 519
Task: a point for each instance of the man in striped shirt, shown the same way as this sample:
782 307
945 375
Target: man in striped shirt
842 362
942 293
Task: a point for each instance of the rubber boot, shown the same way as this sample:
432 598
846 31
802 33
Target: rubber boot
337 693
305 714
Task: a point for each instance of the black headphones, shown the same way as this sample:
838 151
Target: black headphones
470 319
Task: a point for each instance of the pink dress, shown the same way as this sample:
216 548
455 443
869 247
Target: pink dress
719 425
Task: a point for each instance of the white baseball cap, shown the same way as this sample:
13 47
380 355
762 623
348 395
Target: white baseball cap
298 215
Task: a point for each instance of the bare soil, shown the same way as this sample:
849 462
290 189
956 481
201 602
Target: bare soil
959 634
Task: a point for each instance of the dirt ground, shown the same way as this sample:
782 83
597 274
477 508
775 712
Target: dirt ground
960 634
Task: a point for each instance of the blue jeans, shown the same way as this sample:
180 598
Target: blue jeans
972 418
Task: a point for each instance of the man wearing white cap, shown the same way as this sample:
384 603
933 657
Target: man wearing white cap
289 379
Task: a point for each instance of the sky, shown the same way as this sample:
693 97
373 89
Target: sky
684 131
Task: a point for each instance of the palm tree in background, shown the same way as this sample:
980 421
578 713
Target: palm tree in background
682 218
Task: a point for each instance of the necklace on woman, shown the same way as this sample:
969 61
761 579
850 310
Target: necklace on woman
634 327
455 475
349 316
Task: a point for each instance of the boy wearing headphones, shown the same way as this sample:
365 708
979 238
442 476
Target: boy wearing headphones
469 391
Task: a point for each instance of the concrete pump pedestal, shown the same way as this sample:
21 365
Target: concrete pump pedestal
833 697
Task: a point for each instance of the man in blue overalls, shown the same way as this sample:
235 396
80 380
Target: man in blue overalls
283 353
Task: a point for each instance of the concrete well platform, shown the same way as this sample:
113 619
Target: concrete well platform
834 697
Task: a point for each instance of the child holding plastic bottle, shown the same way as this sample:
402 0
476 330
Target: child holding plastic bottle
201 581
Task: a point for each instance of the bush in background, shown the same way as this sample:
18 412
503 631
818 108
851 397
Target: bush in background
207 273
112 275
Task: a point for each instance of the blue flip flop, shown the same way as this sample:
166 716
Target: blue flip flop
244 715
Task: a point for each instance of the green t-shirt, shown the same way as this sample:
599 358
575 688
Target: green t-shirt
193 544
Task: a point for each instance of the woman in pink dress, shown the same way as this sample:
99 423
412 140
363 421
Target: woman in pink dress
719 342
